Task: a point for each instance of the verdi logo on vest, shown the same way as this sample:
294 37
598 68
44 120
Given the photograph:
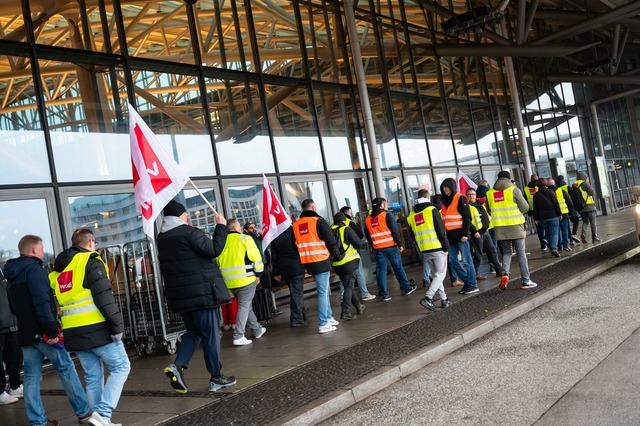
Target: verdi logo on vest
65 281
304 229
532 190
374 221
419 218
498 196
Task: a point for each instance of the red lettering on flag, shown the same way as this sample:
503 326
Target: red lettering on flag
160 179
419 219
303 229
65 281
498 196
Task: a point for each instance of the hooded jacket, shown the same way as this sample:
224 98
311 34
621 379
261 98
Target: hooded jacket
586 187
438 224
31 299
350 238
512 232
96 280
187 260
455 235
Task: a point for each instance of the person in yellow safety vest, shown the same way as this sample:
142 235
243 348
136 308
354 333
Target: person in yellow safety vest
457 220
360 278
507 206
241 265
566 208
427 230
92 322
480 238
347 267
588 213
382 231
317 247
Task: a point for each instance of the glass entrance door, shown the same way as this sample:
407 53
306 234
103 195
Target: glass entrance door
299 188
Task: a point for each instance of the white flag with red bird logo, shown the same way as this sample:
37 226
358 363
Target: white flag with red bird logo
157 178
465 182
274 217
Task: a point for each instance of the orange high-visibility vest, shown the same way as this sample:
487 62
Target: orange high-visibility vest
452 218
310 247
381 236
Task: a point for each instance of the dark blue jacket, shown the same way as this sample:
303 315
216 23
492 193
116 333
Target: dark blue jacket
31 299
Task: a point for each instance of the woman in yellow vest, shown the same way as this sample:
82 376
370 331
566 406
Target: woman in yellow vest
347 267
240 264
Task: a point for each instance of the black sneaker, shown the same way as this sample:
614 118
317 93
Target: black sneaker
574 238
554 253
386 297
471 290
445 303
411 289
175 375
464 289
347 316
596 240
566 249
221 382
426 283
428 303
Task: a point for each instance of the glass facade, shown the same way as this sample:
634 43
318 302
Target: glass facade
237 89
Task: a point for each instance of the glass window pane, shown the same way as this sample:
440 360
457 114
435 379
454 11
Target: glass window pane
297 192
416 182
246 203
22 217
200 214
239 127
438 133
410 131
351 193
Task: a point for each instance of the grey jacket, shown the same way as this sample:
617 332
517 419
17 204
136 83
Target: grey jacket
513 232
586 187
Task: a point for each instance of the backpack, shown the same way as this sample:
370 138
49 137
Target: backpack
336 235
578 201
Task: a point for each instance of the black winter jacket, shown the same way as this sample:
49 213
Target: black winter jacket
350 238
285 259
545 204
455 235
438 224
96 280
355 227
324 233
7 320
31 299
187 259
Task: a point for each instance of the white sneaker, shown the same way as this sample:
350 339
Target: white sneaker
243 341
332 322
528 284
369 297
5 398
328 328
17 392
97 420
259 335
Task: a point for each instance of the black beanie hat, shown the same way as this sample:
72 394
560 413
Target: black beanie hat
174 208
339 217
504 174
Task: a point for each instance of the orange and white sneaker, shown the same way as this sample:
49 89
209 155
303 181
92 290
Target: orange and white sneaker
503 282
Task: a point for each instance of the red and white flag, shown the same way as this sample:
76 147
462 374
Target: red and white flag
465 182
274 217
157 178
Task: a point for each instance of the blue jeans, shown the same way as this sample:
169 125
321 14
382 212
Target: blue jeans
324 304
426 270
468 276
103 397
61 361
362 281
564 232
245 316
202 326
550 227
390 255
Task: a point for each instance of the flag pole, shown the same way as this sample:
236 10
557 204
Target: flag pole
215 213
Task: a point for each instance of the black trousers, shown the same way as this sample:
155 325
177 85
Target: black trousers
11 355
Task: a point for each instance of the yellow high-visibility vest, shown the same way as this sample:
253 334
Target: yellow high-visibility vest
564 209
587 198
235 270
77 308
423 228
350 253
476 218
504 209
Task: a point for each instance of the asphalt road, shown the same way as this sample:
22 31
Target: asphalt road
572 361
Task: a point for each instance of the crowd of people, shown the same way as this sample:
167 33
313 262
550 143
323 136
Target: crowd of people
203 273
